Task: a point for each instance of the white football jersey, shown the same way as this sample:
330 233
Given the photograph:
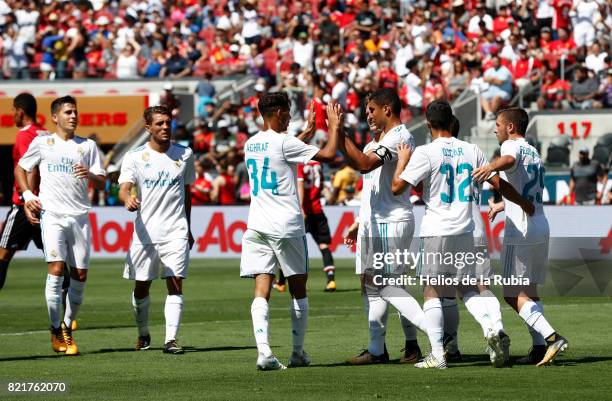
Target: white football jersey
378 204
445 166
271 159
527 178
61 192
160 179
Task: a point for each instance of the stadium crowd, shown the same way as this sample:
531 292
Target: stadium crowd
555 52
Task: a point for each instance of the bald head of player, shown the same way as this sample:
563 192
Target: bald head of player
24 110
439 115
384 109
274 108
158 120
65 116
511 123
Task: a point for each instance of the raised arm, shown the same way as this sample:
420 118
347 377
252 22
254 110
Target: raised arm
335 119
364 162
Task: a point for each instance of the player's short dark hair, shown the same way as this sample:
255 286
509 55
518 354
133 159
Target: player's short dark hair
27 103
455 126
439 115
272 102
516 116
149 111
57 104
387 97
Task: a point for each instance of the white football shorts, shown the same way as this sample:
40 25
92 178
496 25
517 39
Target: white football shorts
525 261
263 253
66 238
146 262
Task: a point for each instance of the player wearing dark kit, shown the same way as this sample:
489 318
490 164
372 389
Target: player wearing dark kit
310 185
17 232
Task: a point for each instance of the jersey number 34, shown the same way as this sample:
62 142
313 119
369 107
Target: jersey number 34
267 180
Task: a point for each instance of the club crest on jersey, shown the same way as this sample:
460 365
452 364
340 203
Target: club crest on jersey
145 156
80 151
53 253
178 163
50 141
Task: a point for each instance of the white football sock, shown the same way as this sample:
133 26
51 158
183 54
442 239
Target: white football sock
533 316
299 322
173 312
434 319
377 319
74 299
493 310
259 315
410 309
53 295
451 316
141 314
477 306
410 330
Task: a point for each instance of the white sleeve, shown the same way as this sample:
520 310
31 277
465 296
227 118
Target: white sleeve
95 163
509 148
418 167
31 158
296 151
387 147
190 169
128 170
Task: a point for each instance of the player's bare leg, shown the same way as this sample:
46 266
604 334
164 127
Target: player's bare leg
173 312
547 344
260 316
141 302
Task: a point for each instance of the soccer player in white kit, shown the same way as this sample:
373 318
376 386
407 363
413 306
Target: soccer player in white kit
386 224
161 172
275 234
67 164
445 167
483 271
525 249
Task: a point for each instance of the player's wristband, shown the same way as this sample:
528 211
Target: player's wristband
28 196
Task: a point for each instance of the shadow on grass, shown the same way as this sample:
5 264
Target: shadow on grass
217 349
32 357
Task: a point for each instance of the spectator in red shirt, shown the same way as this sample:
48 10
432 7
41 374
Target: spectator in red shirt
564 47
553 90
201 188
223 187
526 70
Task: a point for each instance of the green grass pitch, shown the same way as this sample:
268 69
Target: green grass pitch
220 358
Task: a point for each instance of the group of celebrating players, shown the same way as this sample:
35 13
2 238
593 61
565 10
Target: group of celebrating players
53 172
